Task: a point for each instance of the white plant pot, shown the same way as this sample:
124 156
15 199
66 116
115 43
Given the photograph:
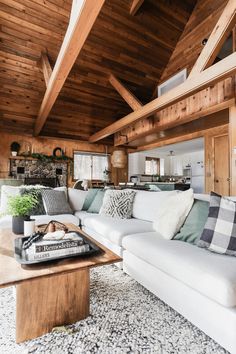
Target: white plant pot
14 153
29 227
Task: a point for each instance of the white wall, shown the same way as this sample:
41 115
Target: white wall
169 165
137 163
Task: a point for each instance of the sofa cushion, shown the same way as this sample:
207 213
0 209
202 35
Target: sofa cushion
115 229
82 215
64 218
147 204
194 223
211 274
6 221
76 198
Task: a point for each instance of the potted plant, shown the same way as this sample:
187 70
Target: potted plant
15 148
19 207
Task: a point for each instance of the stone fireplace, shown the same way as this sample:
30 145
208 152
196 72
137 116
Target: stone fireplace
23 168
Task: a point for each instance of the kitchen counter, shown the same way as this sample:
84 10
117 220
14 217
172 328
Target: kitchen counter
168 186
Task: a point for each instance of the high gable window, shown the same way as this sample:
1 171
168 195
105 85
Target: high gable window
89 165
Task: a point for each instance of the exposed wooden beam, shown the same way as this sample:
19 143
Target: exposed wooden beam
46 68
135 6
163 125
219 34
77 32
129 98
177 139
132 101
215 73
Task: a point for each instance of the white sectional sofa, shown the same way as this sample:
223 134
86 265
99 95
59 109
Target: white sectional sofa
197 283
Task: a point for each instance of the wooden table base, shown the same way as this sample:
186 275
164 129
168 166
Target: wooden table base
46 302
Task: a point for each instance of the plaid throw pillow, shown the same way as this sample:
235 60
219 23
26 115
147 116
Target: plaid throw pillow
219 234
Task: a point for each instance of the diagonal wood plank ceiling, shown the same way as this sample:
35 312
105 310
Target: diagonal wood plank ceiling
136 49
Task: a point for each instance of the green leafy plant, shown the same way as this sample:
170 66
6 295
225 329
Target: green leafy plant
21 205
15 146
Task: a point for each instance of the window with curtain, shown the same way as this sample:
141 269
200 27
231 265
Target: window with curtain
152 166
90 166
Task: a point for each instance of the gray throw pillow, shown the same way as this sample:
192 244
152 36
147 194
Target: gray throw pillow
118 204
55 202
97 202
194 224
219 234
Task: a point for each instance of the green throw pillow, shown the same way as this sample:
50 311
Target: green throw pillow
97 202
90 197
194 223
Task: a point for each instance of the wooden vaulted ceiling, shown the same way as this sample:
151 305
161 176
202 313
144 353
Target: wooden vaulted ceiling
136 49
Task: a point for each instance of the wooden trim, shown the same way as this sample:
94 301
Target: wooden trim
129 98
219 34
136 4
215 73
46 68
73 42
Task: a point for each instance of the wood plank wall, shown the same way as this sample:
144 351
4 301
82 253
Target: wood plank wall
199 26
46 146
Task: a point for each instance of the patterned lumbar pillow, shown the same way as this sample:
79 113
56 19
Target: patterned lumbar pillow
55 202
219 234
118 204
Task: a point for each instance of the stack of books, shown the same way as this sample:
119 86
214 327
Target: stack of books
46 249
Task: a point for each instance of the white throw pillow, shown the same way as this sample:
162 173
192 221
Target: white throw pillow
173 214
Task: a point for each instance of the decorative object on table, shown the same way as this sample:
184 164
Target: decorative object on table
53 226
118 203
58 152
219 232
119 158
15 148
29 227
41 247
19 206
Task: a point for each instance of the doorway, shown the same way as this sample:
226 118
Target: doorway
221 164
